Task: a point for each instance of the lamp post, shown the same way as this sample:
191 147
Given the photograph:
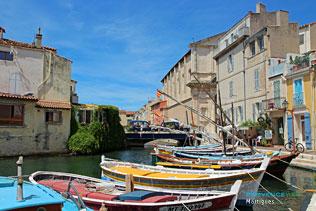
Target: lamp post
285 105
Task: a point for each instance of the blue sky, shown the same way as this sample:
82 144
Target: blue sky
122 49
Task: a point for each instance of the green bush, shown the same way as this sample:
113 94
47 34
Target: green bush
74 125
83 142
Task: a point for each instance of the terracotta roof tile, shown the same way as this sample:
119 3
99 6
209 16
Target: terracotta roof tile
8 42
53 104
15 96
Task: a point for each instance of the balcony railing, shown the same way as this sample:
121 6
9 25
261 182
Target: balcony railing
278 69
298 99
273 103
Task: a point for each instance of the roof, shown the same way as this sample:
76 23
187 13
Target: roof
231 46
307 24
130 112
8 42
187 53
53 104
15 96
2 29
37 195
209 39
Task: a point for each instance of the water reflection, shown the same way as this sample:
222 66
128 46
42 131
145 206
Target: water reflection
89 165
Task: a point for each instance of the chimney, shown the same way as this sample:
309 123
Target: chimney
38 39
282 18
2 31
260 8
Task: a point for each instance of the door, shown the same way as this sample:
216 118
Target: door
276 93
298 93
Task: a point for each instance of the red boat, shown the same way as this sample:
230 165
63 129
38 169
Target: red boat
113 196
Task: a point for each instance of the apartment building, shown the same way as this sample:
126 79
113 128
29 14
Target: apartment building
35 98
307 37
301 81
245 54
192 80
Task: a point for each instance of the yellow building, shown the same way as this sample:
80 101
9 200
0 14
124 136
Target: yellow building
300 81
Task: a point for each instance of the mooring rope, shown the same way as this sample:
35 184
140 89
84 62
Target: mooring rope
185 206
265 189
284 181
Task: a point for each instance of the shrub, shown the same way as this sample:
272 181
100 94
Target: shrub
83 142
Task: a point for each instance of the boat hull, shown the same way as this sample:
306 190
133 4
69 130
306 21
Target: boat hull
277 165
110 198
250 179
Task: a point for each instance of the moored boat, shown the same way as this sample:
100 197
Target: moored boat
277 166
155 176
19 195
113 196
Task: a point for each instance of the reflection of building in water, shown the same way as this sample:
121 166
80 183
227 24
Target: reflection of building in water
300 178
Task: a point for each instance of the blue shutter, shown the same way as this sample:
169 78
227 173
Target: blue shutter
289 128
308 131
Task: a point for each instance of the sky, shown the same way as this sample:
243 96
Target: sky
122 49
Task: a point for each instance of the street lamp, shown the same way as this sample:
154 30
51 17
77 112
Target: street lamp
285 105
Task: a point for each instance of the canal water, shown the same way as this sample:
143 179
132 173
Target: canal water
89 165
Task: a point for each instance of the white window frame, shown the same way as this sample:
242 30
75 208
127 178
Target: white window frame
231 88
257 79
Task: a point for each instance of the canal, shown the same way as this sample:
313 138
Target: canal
89 165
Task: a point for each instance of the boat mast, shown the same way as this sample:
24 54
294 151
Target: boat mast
204 117
222 120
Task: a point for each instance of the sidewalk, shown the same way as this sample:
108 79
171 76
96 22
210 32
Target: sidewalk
306 160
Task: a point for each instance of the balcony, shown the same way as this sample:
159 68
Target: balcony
276 69
273 103
298 100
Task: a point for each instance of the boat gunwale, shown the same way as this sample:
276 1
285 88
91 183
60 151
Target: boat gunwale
216 194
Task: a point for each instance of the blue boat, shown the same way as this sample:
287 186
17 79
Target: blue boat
35 197
197 156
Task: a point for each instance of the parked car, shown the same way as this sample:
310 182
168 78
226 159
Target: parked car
175 125
139 125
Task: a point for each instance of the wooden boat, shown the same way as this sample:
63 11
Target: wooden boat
113 196
277 166
200 148
35 198
158 176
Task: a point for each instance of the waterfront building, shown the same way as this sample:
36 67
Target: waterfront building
35 98
244 55
192 81
300 81
158 108
125 117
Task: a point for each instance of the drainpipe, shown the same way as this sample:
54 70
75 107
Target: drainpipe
313 111
244 81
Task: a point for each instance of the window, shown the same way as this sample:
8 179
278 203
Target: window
257 80
4 55
226 43
231 89
257 109
301 39
11 115
232 37
230 63
241 114
261 43
252 46
53 117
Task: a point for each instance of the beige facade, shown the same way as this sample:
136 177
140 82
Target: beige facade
32 70
307 38
191 80
244 57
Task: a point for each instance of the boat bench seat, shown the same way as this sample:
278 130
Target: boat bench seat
174 175
137 195
101 196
